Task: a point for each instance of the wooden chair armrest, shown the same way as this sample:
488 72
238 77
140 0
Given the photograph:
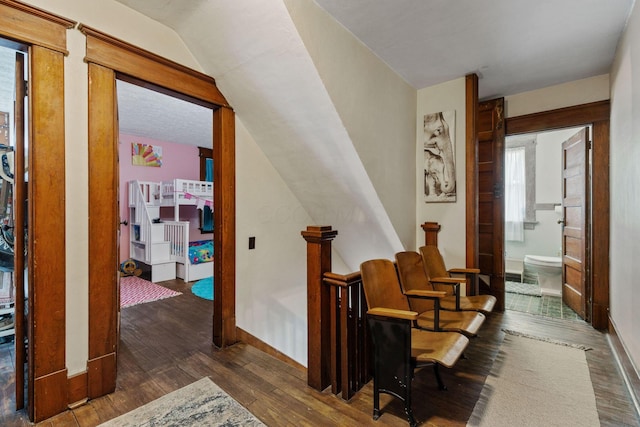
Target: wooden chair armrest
448 280
419 293
465 270
451 281
392 312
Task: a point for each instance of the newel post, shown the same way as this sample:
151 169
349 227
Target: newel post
431 230
318 308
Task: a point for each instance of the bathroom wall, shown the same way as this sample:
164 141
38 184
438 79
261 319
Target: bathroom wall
546 236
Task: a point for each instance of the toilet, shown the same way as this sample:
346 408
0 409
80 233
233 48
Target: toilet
549 272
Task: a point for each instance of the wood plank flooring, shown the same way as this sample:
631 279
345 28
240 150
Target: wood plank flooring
166 345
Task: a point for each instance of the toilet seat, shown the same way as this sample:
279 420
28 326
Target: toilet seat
545 261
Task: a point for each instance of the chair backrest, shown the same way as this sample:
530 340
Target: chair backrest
434 266
381 285
412 276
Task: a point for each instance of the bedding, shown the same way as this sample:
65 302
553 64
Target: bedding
201 251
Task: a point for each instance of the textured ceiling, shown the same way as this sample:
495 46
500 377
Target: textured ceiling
513 46
143 112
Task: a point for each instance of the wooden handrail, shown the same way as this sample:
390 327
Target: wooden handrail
338 342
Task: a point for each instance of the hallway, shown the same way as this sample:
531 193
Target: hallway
166 345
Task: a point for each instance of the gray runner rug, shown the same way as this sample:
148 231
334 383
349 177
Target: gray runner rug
537 383
202 403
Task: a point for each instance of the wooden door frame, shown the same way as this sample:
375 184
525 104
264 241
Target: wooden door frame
108 57
596 114
45 34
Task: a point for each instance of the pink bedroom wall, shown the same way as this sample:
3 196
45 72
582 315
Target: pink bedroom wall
178 161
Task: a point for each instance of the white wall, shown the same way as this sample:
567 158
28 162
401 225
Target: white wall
449 96
625 188
377 107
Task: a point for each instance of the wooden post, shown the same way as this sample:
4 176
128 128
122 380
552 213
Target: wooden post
318 308
431 230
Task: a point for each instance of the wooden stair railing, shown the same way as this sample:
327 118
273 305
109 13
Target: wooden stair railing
338 342
350 342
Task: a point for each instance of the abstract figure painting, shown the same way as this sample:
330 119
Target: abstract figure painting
146 155
439 157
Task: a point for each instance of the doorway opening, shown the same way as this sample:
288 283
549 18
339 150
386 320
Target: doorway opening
14 210
533 223
166 219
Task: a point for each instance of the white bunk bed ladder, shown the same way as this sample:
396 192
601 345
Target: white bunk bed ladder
181 192
148 243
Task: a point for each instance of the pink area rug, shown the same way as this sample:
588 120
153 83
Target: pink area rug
134 291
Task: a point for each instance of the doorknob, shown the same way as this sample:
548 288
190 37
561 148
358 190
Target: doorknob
561 221
125 222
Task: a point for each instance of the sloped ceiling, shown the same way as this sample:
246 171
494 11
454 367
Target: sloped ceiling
253 50
513 45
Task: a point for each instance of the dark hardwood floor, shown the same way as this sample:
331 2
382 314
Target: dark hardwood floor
166 345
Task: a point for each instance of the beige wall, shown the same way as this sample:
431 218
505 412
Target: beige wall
558 96
271 287
625 188
376 106
448 96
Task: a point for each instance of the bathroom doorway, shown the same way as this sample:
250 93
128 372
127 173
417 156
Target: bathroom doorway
534 224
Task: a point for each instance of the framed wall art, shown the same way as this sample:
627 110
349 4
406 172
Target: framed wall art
439 157
146 155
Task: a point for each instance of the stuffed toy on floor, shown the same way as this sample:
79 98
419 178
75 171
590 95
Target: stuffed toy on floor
129 268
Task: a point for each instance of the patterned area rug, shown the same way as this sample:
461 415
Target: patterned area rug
202 403
532 289
134 291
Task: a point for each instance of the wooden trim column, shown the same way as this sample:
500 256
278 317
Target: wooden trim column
46 36
600 220
224 225
47 296
471 160
318 310
431 230
103 232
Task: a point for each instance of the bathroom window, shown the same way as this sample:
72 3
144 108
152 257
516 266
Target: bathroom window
515 193
520 186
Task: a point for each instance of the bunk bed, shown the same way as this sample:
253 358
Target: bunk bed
165 244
